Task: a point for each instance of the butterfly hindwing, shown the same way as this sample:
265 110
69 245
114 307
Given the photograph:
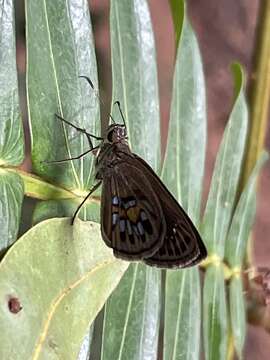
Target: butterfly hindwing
182 245
132 219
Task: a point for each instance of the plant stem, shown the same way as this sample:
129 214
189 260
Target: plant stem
259 94
259 99
38 188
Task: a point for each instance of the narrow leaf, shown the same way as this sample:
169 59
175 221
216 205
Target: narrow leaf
65 208
11 134
183 166
182 315
60 48
131 316
183 174
11 195
177 10
54 311
225 179
135 76
215 325
133 332
243 218
237 314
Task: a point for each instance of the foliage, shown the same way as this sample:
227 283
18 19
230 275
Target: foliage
62 275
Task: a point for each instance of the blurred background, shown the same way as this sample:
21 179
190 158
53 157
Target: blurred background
226 31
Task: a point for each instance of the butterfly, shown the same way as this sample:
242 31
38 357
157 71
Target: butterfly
140 218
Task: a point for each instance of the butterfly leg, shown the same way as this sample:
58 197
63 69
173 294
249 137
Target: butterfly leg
94 188
72 158
88 135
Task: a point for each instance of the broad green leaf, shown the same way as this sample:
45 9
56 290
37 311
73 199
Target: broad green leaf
237 314
57 308
131 327
11 196
215 324
11 135
60 48
135 86
182 315
243 218
135 76
221 198
183 174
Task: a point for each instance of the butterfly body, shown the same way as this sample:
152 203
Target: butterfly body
140 219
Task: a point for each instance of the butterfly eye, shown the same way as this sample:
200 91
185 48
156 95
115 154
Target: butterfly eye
110 136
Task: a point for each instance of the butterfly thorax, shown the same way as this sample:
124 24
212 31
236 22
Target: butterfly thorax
109 156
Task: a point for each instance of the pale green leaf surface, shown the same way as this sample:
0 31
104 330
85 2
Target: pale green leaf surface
185 154
132 312
65 208
221 198
183 174
215 323
11 134
11 197
60 48
243 218
237 314
135 76
182 315
135 86
58 308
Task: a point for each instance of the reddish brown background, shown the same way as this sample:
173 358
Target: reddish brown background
226 32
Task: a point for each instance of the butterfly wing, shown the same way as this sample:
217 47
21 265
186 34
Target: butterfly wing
182 245
132 221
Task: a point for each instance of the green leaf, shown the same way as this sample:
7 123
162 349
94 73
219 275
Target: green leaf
132 316
86 348
215 325
135 86
11 195
65 208
60 48
185 153
135 76
221 199
243 218
182 315
183 174
237 314
11 135
177 10
58 308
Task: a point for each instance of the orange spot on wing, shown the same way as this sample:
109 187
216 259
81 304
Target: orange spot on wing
133 214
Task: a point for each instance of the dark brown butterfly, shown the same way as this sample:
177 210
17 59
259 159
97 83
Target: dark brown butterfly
140 219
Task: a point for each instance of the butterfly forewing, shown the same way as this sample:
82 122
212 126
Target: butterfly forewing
132 219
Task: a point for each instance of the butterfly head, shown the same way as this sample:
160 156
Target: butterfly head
116 133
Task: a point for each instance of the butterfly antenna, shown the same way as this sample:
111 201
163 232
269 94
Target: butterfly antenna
121 112
96 93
